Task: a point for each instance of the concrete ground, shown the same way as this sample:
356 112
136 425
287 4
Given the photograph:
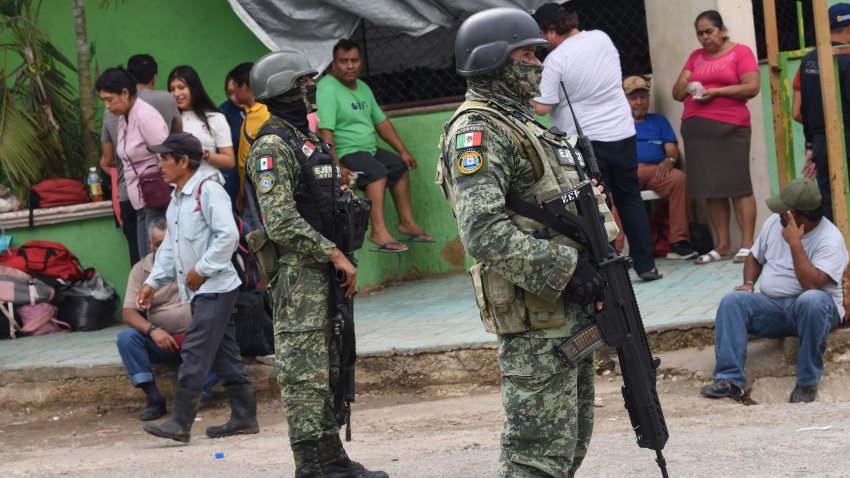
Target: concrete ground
406 319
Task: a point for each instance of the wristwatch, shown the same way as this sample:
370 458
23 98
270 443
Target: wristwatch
151 328
672 160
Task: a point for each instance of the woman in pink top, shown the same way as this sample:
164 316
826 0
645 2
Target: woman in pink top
715 84
139 125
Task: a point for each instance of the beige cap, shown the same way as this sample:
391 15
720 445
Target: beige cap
634 83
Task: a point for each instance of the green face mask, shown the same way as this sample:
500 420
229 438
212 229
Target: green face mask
522 78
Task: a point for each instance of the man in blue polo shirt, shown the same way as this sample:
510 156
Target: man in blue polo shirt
657 154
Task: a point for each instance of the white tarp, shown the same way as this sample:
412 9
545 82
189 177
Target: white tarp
314 26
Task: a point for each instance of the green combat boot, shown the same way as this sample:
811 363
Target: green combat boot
307 463
338 465
183 411
243 412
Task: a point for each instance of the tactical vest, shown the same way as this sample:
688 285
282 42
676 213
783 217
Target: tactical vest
318 185
506 308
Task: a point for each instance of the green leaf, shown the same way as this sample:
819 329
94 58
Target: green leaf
21 146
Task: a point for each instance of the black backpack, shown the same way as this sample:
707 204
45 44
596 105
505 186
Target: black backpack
253 319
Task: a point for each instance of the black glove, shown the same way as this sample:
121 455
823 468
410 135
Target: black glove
585 285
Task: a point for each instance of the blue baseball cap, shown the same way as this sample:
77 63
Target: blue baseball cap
839 15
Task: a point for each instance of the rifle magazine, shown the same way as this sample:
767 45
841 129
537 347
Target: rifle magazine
580 345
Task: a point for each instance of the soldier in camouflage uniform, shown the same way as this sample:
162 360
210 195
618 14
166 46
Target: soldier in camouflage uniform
527 280
306 354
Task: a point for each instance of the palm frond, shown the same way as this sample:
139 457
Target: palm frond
21 145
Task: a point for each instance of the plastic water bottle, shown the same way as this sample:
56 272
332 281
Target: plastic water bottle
94 185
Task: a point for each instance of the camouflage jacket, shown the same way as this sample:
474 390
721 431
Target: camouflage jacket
274 170
497 169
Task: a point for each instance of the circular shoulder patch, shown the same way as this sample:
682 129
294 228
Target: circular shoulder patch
470 161
266 181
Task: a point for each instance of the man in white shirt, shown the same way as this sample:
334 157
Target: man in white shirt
799 259
588 64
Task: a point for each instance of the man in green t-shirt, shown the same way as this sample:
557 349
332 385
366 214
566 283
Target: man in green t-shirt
349 117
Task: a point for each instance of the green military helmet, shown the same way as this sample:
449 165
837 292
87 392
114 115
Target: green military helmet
486 39
275 73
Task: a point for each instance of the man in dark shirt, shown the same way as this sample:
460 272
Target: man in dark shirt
811 103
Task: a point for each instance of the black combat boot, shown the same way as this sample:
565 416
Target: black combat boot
183 411
307 462
243 412
337 463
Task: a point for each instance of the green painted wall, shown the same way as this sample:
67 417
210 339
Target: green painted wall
420 133
205 34
96 242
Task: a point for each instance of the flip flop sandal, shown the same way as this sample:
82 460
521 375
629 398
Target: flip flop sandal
712 256
741 256
418 237
385 248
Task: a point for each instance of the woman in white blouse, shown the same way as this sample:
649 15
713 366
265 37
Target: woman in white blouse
203 120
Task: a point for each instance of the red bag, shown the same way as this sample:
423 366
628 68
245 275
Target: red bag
60 192
45 258
56 192
659 221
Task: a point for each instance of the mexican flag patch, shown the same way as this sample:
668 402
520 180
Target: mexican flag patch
264 164
308 148
468 140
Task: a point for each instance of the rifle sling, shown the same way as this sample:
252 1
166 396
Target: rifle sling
531 211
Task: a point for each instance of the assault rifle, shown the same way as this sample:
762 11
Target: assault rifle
351 215
618 324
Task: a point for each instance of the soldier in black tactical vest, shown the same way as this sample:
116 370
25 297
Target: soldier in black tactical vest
298 192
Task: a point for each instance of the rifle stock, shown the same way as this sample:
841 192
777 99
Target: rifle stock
342 323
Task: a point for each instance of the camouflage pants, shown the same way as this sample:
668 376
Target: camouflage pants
306 355
548 409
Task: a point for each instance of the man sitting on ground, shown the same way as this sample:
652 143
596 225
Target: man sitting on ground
349 116
657 154
800 257
152 339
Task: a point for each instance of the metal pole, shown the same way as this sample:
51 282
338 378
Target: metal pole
832 118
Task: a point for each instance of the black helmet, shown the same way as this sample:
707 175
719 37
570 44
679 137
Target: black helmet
485 39
275 73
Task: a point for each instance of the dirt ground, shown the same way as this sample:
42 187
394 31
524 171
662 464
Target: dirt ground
450 432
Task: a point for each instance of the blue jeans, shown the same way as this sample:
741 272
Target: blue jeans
138 352
809 316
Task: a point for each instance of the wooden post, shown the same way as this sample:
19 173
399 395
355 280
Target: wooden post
777 106
832 119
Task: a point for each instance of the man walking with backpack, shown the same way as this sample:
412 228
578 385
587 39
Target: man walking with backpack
197 249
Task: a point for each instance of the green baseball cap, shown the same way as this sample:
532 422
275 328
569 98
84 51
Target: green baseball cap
799 195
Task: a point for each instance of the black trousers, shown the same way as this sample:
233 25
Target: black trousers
211 343
129 225
618 167
821 160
